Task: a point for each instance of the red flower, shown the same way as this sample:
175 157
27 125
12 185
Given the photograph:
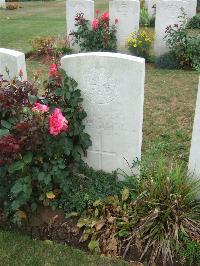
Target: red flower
57 122
95 24
41 108
53 69
105 16
97 11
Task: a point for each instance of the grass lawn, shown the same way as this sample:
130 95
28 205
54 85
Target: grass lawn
17 250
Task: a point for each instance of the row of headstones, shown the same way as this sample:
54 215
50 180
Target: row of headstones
113 90
128 13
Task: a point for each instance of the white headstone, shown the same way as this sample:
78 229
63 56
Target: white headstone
128 14
14 61
112 86
191 8
194 160
151 7
168 13
78 6
3 3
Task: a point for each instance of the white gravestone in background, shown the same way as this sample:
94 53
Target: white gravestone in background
151 7
128 14
167 13
14 61
191 8
2 3
194 161
78 6
112 87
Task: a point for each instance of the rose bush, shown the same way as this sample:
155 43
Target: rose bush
41 140
95 36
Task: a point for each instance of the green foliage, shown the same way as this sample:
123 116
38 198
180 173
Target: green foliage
194 22
108 220
139 43
36 164
12 6
148 215
51 46
100 37
188 250
85 187
167 61
145 19
184 46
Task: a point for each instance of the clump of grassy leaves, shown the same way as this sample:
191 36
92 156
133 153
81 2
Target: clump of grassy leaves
148 217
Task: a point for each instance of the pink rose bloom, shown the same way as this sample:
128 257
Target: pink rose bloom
41 108
53 69
105 16
57 122
95 24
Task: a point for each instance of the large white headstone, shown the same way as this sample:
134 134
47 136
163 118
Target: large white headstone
168 12
14 61
3 3
78 6
112 86
128 14
194 160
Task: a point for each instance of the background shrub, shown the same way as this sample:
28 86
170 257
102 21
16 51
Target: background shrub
12 6
96 37
184 46
194 22
167 61
139 43
145 19
51 47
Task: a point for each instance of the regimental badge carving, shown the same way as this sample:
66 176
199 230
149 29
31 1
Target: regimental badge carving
123 9
100 88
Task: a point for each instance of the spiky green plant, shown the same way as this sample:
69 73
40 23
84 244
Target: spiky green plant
165 206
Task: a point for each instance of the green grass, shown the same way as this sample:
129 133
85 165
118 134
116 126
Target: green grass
170 99
17 250
19 27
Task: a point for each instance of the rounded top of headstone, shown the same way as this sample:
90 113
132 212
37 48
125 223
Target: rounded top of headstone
106 54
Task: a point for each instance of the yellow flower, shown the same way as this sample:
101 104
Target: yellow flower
135 45
50 195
